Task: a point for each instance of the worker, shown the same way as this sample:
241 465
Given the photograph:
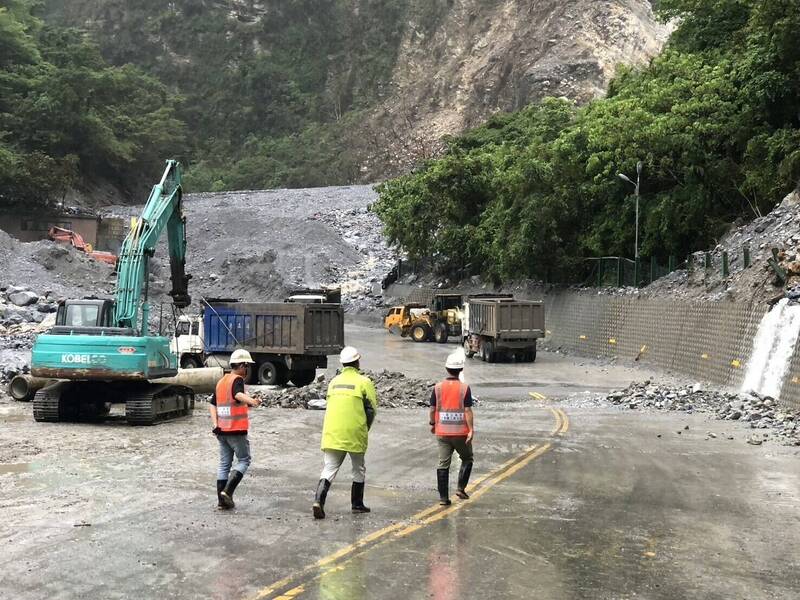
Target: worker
351 407
230 421
451 420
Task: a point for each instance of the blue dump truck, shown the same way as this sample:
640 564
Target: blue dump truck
288 341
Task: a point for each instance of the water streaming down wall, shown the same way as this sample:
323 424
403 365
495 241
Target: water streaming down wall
773 347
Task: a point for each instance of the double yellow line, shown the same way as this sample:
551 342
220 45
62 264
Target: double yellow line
293 585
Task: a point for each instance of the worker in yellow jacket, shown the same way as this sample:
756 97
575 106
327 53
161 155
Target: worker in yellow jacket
351 407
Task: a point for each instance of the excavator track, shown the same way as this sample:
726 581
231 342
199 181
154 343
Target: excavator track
47 404
152 404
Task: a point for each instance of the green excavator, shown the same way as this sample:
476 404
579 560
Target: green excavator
102 351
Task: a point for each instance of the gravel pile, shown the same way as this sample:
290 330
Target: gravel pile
395 390
360 285
759 412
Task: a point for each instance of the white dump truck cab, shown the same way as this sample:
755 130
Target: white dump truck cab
187 344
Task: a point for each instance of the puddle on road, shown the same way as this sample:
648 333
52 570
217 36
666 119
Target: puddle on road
15 468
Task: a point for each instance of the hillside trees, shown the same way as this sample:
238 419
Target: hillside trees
67 116
714 118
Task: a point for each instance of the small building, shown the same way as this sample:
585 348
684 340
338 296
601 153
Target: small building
102 233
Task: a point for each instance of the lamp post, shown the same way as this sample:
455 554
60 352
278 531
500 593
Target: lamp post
639 167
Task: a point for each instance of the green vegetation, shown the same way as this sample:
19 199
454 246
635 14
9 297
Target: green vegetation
270 90
715 119
66 116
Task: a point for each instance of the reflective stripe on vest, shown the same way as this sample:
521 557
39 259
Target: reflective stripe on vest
450 418
231 415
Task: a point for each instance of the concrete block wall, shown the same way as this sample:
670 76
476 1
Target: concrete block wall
707 342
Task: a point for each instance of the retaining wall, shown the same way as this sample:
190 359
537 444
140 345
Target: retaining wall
704 341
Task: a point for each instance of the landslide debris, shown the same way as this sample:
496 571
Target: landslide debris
258 245
780 229
761 413
395 390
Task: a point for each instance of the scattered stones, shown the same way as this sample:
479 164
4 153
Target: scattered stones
23 298
758 412
395 390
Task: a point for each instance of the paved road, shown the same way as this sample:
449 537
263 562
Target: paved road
572 501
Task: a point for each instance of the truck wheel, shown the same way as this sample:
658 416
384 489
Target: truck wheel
420 333
489 355
468 349
267 373
302 378
440 335
532 354
190 362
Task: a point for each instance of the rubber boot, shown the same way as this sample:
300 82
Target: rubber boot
226 495
463 480
357 498
221 483
443 481
319 500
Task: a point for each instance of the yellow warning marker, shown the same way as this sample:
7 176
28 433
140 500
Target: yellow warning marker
538 396
735 363
612 341
704 356
582 337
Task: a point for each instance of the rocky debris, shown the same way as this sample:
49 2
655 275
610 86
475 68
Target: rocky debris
759 412
22 297
779 229
360 228
395 390
258 245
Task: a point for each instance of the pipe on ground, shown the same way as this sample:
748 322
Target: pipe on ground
202 381
24 387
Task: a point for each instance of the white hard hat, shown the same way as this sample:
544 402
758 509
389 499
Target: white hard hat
456 360
349 355
241 356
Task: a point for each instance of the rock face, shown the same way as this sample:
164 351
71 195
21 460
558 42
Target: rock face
483 56
411 71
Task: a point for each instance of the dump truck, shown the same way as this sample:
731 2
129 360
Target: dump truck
503 328
288 341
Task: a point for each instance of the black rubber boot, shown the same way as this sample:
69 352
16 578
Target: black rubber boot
319 500
463 480
357 498
221 483
226 495
443 481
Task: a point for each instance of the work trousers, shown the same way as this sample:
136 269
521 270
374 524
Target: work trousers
458 443
230 445
333 459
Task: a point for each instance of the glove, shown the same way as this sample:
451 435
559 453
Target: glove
216 431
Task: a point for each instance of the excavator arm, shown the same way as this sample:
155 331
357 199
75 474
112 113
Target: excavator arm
162 211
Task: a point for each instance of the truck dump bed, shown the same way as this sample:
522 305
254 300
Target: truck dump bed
274 328
507 319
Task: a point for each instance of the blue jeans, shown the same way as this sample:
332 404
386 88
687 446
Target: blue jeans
228 446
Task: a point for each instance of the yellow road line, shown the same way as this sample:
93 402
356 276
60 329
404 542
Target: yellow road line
417 521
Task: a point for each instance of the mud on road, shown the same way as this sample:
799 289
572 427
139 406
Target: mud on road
611 504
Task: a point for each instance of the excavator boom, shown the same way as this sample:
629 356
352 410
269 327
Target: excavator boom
103 348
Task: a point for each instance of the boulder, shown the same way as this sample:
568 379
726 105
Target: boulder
23 298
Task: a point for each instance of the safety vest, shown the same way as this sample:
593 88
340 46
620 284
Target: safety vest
231 415
450 418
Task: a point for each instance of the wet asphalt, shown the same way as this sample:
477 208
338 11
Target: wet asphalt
574 500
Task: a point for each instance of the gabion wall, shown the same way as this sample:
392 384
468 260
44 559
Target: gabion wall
704 341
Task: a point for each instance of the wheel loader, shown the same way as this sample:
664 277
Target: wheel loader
424 324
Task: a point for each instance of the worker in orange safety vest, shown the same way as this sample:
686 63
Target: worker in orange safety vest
451 420
230 421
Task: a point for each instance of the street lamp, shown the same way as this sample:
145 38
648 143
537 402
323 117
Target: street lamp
639 167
